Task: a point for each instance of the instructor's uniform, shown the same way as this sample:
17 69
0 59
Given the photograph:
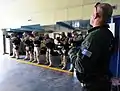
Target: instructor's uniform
91 60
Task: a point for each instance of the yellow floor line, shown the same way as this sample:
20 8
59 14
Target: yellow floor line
44 66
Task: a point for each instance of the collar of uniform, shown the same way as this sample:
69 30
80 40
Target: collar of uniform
94 28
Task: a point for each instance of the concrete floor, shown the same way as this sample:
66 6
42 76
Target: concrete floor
15 76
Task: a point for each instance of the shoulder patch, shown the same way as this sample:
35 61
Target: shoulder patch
87 53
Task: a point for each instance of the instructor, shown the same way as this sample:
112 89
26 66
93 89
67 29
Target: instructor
91 58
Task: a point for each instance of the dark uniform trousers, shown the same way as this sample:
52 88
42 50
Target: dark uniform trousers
97 86
96 83
93 57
